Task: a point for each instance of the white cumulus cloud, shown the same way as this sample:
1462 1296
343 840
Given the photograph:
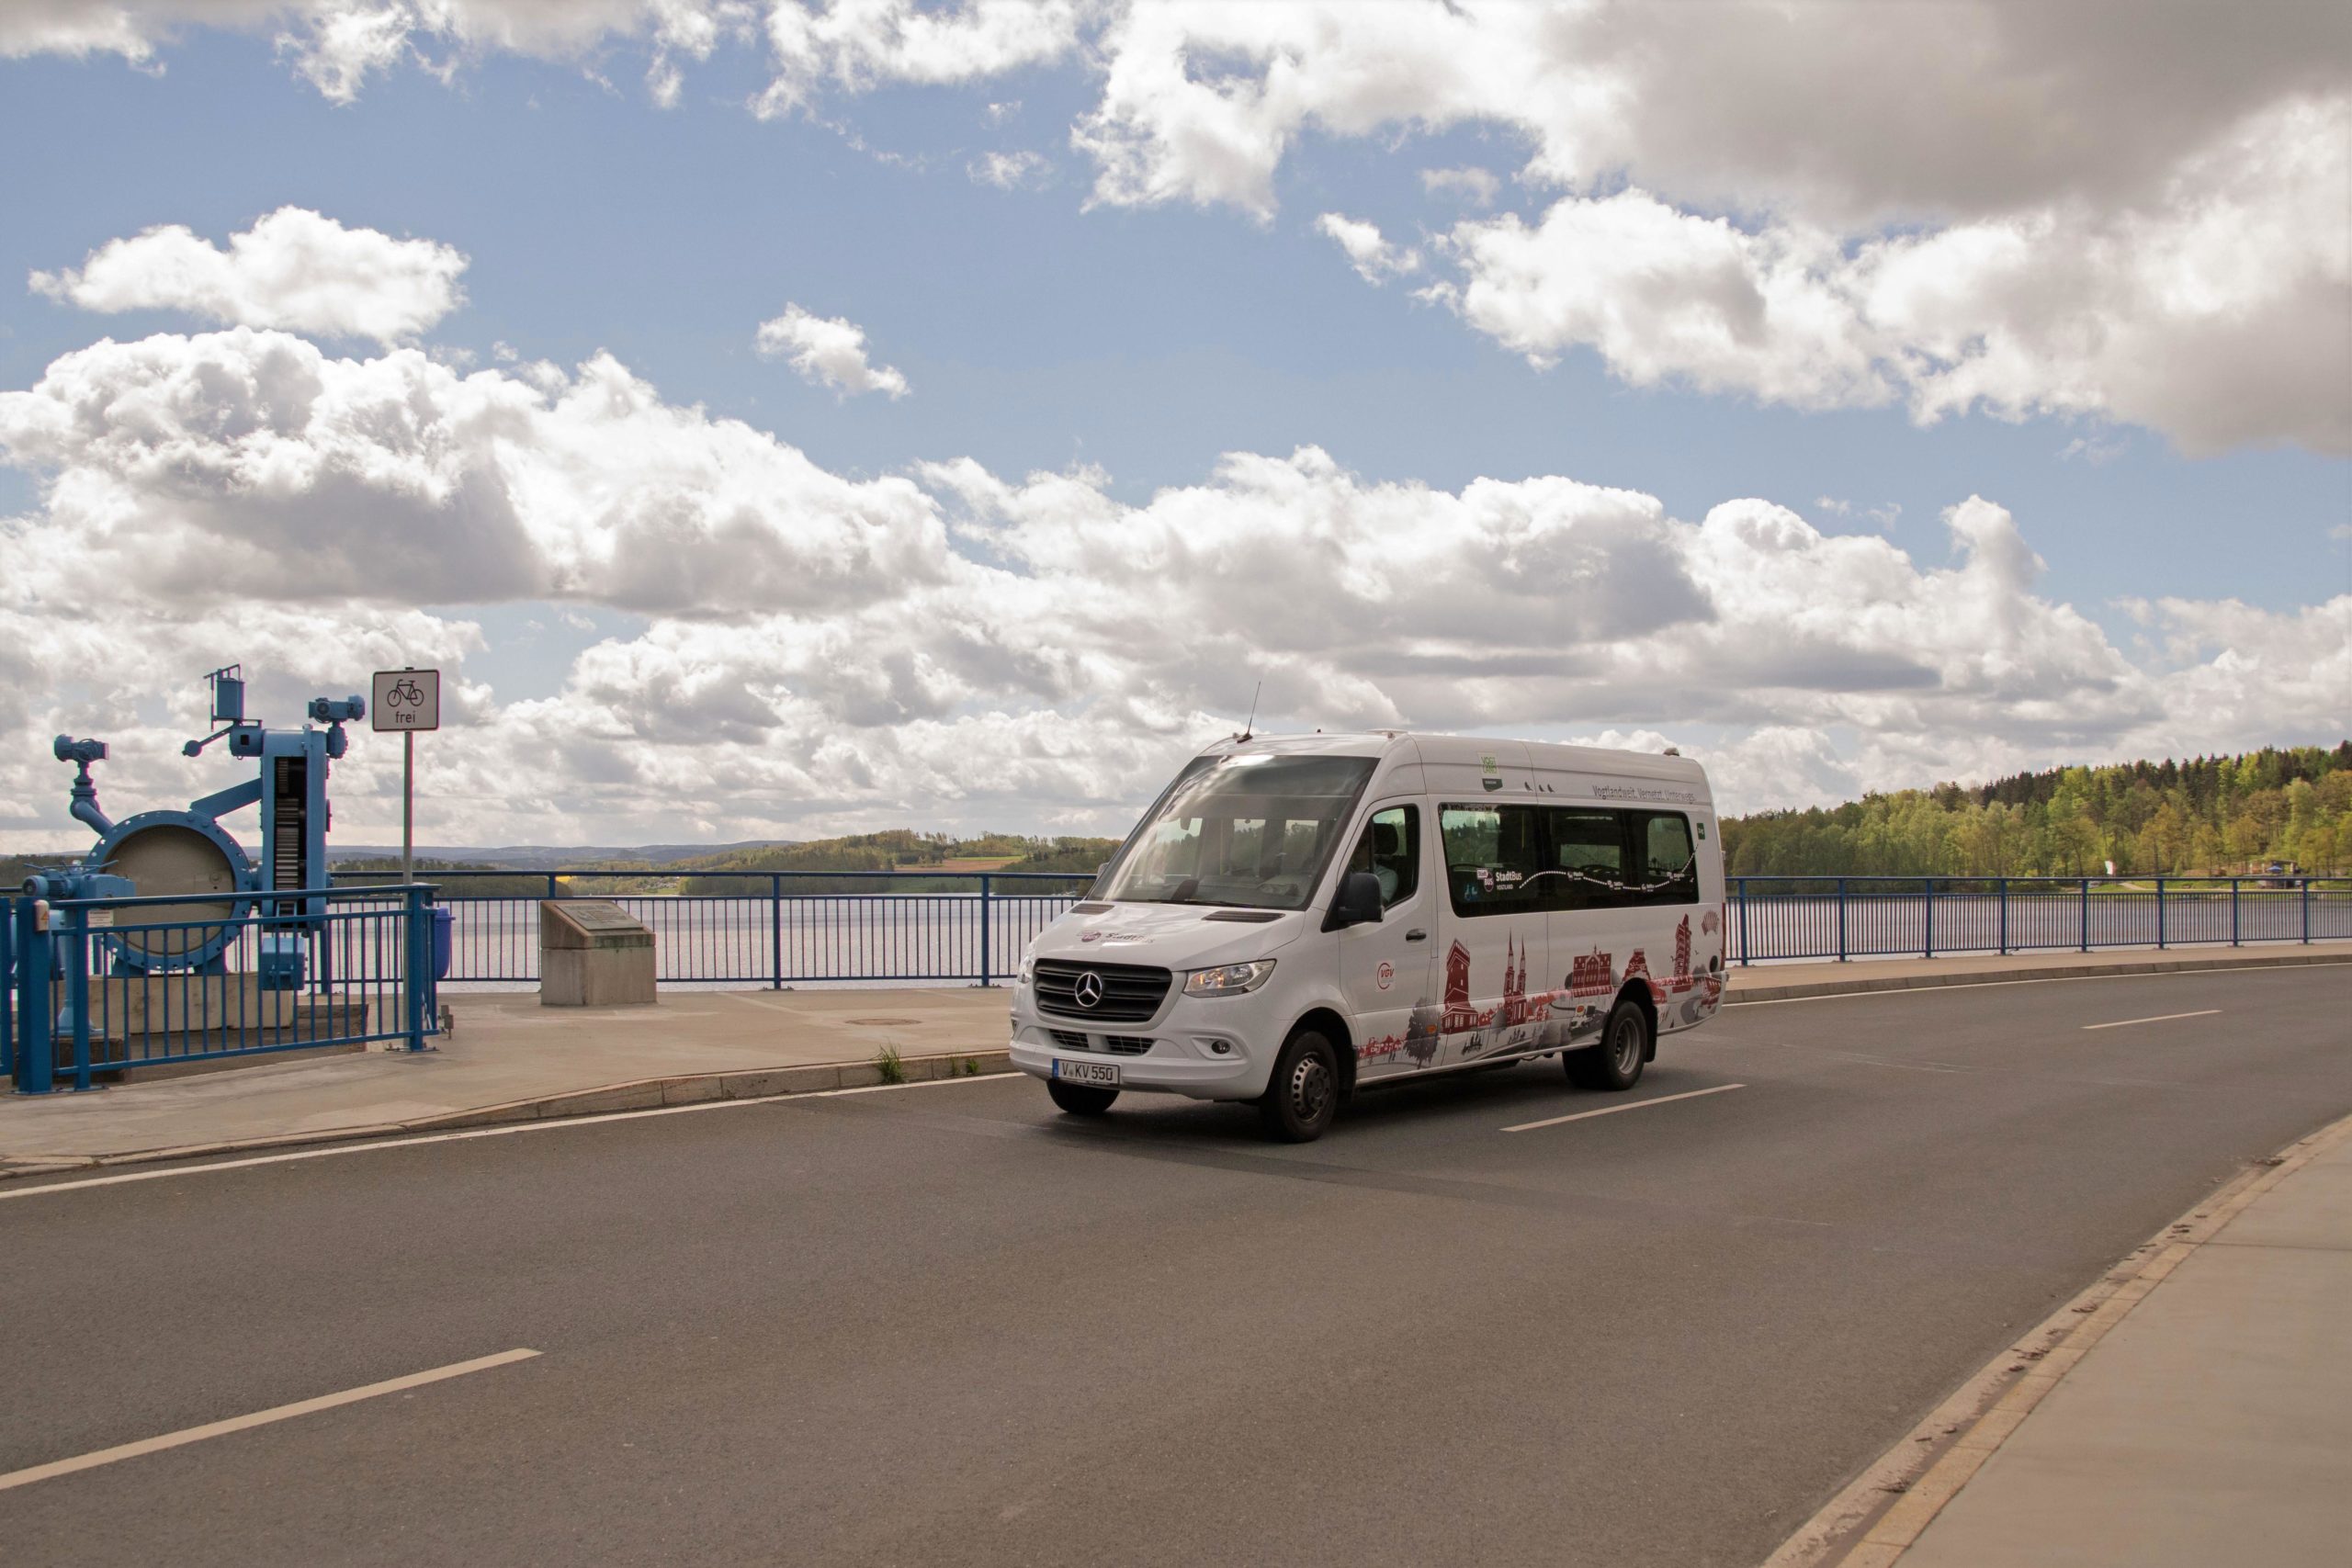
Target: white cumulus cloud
1375 260
2124 209
793 651
293 269
1009 171
828 351
336 45
852 45
2222 317
1965 206
1476 187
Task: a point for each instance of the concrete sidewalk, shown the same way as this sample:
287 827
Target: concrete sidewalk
2210 1421
510 1059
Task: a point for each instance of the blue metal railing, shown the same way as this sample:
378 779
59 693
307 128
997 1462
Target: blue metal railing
773 929
358 971
780 929
1872 917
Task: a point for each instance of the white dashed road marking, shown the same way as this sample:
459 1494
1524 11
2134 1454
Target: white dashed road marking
1629 1105
258 1418
2160 1018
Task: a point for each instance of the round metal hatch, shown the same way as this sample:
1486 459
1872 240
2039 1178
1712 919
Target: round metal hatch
174 854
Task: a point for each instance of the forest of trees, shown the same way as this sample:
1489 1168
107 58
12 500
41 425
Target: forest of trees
900 849
2216 815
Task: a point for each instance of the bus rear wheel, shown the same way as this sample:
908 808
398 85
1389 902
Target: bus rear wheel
1615 1062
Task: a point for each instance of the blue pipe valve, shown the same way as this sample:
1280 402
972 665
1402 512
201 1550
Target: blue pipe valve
64 886
82 753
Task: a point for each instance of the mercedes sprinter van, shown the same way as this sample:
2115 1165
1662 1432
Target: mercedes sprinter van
1300 916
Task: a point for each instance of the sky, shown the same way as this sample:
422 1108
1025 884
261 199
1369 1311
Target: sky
785 418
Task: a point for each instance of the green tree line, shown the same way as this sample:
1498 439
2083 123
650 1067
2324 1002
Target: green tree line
899 849
2220 815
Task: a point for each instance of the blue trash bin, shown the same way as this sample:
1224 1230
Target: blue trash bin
445 920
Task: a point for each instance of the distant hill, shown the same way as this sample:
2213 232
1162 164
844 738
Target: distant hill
901 849
2219 814
544 857
652 868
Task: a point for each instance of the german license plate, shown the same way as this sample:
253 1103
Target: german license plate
1105 1073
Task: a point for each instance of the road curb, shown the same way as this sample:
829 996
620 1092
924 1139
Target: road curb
640 1094
1881 1513
1866 985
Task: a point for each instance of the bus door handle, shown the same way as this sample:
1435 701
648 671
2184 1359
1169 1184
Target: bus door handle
1415 934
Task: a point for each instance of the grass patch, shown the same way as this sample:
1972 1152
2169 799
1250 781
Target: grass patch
892 1065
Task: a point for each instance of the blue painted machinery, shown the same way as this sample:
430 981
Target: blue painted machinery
188 854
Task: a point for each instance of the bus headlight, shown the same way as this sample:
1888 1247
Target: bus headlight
1228 979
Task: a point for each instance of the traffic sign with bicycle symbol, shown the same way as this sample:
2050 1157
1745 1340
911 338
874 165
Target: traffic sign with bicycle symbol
407 700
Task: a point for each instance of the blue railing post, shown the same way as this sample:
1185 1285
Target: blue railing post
2234 911
36 1042
776 932
2307 911
1841 919
419 975
2002 886
1931 883
984 931
1745 960
2160 914
7 987
2086 914
78 991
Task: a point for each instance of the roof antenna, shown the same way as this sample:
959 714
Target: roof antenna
1251 722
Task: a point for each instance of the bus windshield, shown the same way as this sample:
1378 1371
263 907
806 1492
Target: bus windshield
1253 831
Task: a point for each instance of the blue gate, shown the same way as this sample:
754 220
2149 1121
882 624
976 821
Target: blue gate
358 966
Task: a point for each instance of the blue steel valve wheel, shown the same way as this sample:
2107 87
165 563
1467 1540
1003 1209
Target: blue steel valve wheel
172 854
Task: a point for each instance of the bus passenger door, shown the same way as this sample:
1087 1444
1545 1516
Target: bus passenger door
1495 945
1385 966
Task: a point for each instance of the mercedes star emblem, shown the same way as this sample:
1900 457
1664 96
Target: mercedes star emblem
1088 990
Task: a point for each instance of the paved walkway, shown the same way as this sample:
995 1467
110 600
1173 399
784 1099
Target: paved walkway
511 1059
2212 1423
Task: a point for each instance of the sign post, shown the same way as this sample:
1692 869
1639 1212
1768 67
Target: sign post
407 701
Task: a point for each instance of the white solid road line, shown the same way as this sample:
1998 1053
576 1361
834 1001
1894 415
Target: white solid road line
2160 1018
332 1151
1730 1000
258 1418
1629 1105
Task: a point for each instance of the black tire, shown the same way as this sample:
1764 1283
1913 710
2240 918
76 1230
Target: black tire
1081 1100
1303 1095
1616 1062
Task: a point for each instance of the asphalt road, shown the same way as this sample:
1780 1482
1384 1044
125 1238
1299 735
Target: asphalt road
945 1325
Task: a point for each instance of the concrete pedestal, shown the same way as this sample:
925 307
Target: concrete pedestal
593 954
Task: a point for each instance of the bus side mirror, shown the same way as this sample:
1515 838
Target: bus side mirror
1358 902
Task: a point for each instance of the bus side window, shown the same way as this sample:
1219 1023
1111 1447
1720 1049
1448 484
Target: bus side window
1391 850
1492 856
1586 858
1669 868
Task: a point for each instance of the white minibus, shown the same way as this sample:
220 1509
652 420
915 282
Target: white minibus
1297 916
